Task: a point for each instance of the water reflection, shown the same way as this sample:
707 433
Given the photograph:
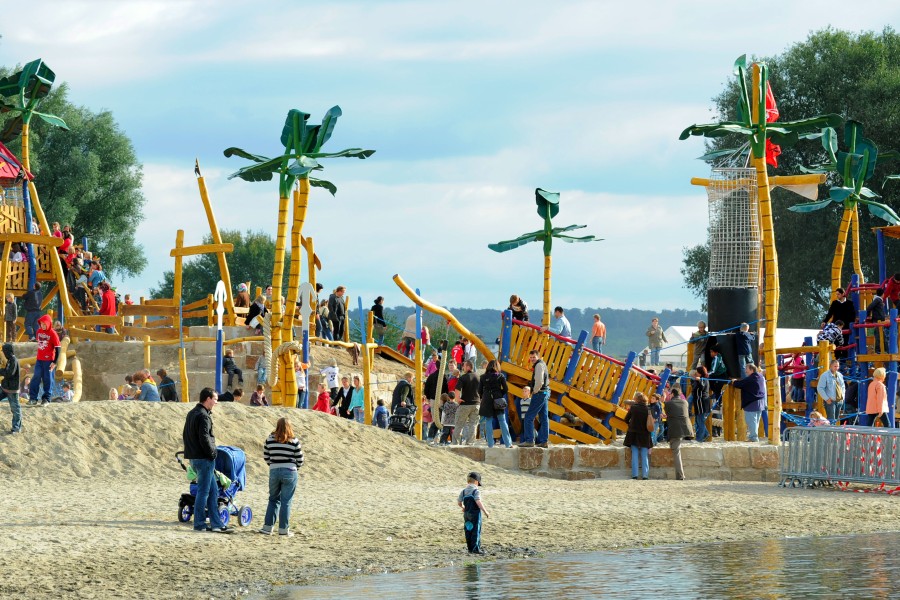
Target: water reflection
863 566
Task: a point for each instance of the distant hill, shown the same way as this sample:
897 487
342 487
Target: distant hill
625 328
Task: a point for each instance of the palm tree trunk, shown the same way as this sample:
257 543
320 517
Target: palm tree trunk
301 198
545 317
277 309
837 263
857 264
26 155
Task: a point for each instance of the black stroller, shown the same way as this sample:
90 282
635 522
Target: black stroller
402 424
231 478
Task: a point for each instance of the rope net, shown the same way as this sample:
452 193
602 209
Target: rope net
734 236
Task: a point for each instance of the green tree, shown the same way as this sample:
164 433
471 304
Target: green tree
251 260
855 75
88 177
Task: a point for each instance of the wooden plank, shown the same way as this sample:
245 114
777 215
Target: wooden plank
32 238
161 322
155 334
555 439
569 432
201 249
394 355
95 320
84 334
598 403
877 357
159 302
148 310
618 423
586 417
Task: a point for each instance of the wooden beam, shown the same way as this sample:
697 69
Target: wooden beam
32 238
155 334
201 249
97 336
116 321
148 310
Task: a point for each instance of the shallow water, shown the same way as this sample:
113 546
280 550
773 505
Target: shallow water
860 566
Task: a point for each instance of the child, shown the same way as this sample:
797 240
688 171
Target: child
10 315
817 420
229 367
67 394
426 416
743 342
332 376
448 417
523 405
469 501
323 402
258 398
113 394
47 354
381 415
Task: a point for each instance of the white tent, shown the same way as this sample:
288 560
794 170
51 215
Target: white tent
675 349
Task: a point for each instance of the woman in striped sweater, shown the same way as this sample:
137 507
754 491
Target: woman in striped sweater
283 454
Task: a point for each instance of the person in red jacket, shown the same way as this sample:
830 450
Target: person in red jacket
107 305
891 288
45 363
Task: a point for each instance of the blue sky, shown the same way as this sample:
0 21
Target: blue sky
469 105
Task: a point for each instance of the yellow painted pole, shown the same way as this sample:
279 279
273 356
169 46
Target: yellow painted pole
837 262
182 364
545 318
26 154
857 265
220 256
77 379
61 363
4 274
824 364
147 362
367 372
55 265
301 200
770 258
278 396
346 317
179 264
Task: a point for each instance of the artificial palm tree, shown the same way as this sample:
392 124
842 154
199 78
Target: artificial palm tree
752 123
547 208
302 143
855 167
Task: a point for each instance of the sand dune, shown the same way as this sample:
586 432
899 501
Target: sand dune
91 495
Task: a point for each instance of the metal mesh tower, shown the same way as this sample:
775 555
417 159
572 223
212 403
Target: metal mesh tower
734 235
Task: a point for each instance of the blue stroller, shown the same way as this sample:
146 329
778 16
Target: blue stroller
231 478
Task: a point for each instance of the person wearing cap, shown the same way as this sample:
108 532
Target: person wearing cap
469 501
242 300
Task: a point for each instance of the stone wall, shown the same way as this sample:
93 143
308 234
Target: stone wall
731 462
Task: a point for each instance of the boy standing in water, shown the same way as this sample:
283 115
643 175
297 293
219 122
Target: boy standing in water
470 501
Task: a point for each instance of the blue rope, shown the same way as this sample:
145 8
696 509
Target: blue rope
710 334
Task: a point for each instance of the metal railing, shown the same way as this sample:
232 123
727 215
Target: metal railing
816 456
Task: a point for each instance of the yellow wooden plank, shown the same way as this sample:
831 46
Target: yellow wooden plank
201 249
148 310
569 432
154 333
586 417
599 403
84 334
556 439
116 321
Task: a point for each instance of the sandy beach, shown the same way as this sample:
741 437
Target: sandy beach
91 494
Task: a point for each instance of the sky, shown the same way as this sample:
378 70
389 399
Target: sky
469 105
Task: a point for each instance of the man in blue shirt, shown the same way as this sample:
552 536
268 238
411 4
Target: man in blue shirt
560 324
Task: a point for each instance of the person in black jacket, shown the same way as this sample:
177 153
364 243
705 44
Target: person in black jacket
637 437
166 387
403 393
200 448
342 398
32 304
10 384
336 312
430 389
493 391
379 324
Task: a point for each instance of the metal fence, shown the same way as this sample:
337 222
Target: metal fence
815 456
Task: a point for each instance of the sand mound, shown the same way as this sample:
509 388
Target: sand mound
140 439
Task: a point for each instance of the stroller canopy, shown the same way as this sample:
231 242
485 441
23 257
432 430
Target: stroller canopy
232 463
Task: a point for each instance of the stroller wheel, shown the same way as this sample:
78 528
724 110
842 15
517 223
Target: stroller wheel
185 512
224 514
245 516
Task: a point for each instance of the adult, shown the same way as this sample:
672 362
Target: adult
200 449
832 389
242 300
302 383
379 325
494 395
638 437
430 388
467 414
167 391
537 407
877 401
10 314
560 324
841 309
45 361
700 399
655 339
678 427
10 386
107 306
753 399
337 311
32 304
470 353
323 318
519 308
342 399
148 392
877 314
598 334
284 455
255 315
699 342
403 392
409 335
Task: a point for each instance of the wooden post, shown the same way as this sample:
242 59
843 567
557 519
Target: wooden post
824 364
220 256
347 317
367 372
182 363
179 260
4 274
143 319
53 256
147 352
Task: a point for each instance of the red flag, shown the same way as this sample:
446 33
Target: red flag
772 150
